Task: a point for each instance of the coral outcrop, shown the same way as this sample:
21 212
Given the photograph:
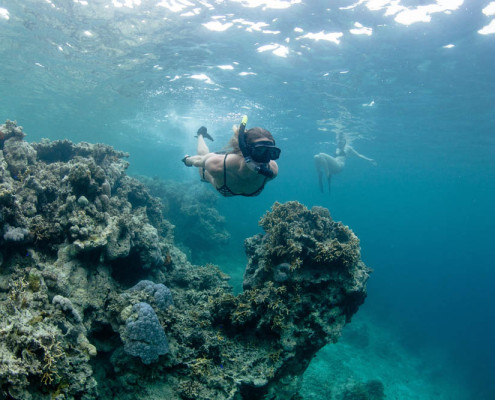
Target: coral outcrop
199 227
97 302
303 282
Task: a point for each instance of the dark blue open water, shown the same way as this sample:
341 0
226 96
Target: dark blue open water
412 82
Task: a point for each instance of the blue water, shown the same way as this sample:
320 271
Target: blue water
417 95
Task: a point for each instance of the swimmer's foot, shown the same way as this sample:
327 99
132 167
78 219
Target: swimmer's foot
203 132
207 136
184 161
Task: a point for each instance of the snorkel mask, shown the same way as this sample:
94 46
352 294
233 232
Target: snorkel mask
257 153
263 151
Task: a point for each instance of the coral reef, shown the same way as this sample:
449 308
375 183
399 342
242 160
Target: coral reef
303 282
199 228
97 302
161 294
66 305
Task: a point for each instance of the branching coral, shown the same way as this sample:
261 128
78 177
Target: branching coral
51 352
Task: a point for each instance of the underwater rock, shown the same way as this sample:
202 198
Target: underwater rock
59 192
91 292
40 348
106 189
10 130
281 272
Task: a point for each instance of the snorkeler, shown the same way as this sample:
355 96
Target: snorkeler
246 165
328 165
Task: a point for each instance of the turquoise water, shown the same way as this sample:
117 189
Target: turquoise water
411 83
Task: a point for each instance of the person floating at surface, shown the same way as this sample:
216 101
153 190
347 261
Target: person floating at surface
328 165
245 168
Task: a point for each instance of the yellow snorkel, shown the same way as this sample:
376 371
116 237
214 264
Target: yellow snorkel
242 139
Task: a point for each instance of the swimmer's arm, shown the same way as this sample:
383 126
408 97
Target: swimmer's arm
236 163
214 165
198 161
351 150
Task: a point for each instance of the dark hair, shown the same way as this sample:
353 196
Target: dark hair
258 133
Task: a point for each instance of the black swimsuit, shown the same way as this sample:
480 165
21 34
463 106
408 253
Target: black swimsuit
225 190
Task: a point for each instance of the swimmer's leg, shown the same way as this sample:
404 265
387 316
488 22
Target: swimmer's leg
318 162
198 160
329 180
202 147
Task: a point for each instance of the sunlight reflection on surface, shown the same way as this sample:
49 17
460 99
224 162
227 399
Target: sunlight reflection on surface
274 4
361 30
409 15
488 29
333 37
489 9
4 14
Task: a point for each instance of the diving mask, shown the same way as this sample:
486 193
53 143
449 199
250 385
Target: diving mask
263 151
258 154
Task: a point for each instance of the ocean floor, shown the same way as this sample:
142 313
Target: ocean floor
368 352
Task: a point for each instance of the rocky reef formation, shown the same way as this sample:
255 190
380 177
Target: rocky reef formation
97 302
199 228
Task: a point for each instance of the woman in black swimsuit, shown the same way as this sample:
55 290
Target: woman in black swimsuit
246 166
